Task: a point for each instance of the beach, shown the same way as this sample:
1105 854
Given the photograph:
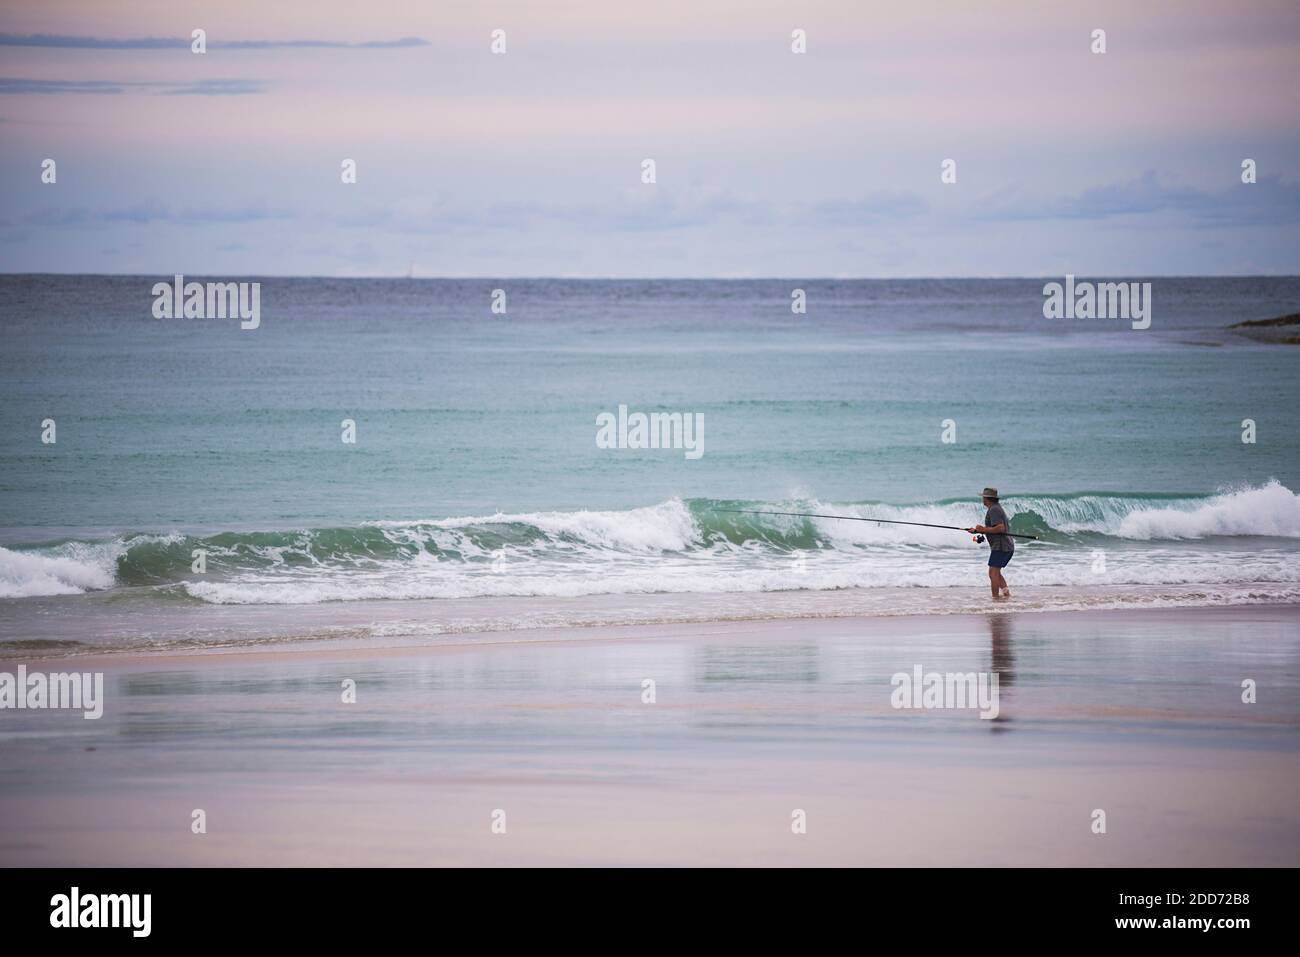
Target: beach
670 437
570 647
538 747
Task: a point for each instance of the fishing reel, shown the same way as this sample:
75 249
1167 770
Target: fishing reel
978 539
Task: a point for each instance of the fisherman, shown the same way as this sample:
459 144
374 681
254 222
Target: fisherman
1001 545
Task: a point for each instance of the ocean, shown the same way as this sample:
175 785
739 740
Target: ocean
476 496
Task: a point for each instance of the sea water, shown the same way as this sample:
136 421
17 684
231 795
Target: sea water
476 493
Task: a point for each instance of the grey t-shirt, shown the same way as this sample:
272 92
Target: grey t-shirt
999 543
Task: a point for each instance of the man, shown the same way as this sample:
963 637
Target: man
1001 545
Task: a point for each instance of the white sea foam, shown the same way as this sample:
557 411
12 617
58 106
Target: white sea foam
1233 538
1272 510
28 574
725 569
665 527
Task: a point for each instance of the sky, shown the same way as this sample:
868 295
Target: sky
767 162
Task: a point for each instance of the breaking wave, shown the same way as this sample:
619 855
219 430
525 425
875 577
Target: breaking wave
687 546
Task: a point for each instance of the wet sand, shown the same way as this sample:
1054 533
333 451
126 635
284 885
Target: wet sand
1137 713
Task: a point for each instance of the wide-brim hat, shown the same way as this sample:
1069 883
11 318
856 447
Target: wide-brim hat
989 492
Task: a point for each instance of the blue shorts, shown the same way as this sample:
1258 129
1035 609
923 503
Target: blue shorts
999 559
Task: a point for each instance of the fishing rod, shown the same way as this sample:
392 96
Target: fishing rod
858 518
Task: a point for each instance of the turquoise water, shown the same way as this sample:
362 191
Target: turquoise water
476 471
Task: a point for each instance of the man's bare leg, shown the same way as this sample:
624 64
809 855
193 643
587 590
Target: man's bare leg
995 576
1003 587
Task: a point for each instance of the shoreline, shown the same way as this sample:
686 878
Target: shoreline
384 624
328 649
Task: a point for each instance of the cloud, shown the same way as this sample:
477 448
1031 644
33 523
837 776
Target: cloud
626 211
403 43
636 210
217 87
1270 201
877 207
152 211
20 85
64 42
1141 202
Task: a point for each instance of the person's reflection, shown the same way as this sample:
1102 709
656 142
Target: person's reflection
1003 665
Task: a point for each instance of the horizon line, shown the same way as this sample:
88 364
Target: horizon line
611 278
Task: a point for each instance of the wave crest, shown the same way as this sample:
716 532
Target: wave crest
678 546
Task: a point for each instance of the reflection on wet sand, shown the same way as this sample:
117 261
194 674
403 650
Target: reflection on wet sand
757 663
1140 710
1002 663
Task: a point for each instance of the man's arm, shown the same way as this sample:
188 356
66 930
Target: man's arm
999 529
